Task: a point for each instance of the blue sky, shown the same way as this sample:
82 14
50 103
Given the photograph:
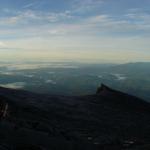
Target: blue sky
87 30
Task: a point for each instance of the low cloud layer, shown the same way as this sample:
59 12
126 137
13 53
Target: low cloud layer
15 85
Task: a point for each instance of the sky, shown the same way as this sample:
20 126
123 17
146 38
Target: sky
75 30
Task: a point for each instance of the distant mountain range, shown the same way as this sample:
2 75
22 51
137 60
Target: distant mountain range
107 120
76 78
130 67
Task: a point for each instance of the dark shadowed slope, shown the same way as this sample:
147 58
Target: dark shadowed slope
109 120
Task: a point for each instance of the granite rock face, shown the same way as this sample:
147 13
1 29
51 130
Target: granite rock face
107 120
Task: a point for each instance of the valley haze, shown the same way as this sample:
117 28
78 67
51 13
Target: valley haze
75 78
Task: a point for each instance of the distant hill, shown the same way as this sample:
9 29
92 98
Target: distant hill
107 120
133 67
132 78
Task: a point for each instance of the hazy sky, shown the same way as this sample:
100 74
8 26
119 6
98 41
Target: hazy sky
77 30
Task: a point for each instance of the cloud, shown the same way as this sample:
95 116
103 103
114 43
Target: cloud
127 25
86 5
36 24
67 32
15 85
2 44
29 5
29 17
140 20
68 22
50 81
104 24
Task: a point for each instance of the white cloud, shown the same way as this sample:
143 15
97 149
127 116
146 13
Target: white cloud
50 81
15 85
42 24
86 5
2 44
29 17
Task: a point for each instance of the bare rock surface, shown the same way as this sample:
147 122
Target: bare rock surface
107 120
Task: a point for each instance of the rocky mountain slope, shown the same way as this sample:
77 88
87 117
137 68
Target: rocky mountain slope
107 120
